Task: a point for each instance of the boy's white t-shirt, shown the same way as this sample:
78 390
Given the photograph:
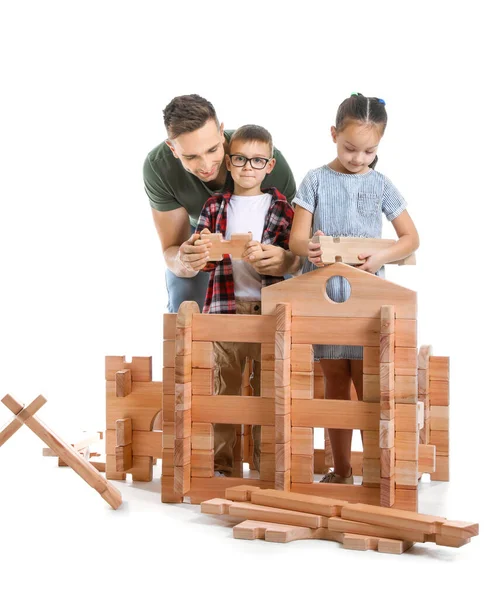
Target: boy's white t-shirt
247 213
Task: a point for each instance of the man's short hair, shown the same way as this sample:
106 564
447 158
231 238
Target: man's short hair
253 133
185 114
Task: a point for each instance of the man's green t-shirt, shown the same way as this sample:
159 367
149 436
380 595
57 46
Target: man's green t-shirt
169 186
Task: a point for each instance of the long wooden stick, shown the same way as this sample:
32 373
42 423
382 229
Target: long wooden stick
83 468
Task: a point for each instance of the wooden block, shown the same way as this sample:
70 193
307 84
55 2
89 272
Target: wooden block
168 436
203 382
111 472
123 432
371 444
123 380
184 317
169 352
283 400
182 479
387 462
268 439
371 388
182 452
202 463
387 319
183 342
391 517
257 329
387 432
283 428
439 368
452 542
202 355
282 373
283 345
283 480
423 382
283 317
318 387
386 377
301 385
387 348
140 367
426 458
406 417
183 396
387 491
123 457
168 412
406 445
441 469
335 414
405 360
439 418
393 546
302 440
248 410
406 498
142 468
267 466
440 439
421 414
183 424
298 502
283 457
302 468
256 512
406 389
267 385
183 369
215 506
268 356
234 247
240 493
357 527
387 406
302 358
460 529
371 471
168 381
424 355
406 472
169 326
168 493
439 392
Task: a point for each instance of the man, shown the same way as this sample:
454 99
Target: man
180 175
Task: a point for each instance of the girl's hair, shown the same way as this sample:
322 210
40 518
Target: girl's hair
366 110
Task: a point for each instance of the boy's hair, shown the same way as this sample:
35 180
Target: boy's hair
253 133
360 108
185 114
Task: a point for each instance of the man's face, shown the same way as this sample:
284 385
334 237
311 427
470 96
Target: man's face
246 176
201 152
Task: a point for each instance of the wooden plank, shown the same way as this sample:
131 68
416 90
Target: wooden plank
215 487
234 247
298 502
335 414
351 331
140 367
348 249
142 405
234 328
356 527
245 510
19 420
391 517
368 294
339 491
82 467
247 410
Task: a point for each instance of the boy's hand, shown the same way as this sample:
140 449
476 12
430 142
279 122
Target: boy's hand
315 251
372 263
253 251
270 261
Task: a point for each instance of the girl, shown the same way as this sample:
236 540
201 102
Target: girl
346 198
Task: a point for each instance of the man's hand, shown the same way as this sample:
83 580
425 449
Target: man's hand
194 253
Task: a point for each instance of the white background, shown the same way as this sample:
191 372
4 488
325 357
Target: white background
81 273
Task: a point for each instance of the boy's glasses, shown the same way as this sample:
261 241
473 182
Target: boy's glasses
257 162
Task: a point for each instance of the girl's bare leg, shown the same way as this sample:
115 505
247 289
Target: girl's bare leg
337 380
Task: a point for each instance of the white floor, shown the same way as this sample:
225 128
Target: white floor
60 540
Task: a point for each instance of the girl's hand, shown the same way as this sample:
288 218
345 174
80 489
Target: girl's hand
372 263
315 251
253 251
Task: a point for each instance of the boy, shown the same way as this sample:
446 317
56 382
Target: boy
234 286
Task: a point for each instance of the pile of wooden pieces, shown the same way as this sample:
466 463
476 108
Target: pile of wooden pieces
279 516
25 415
87 446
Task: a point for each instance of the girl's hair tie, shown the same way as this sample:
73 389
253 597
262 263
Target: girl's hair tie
356 94
381 101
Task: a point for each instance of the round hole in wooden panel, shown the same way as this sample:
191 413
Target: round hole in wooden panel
338 289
